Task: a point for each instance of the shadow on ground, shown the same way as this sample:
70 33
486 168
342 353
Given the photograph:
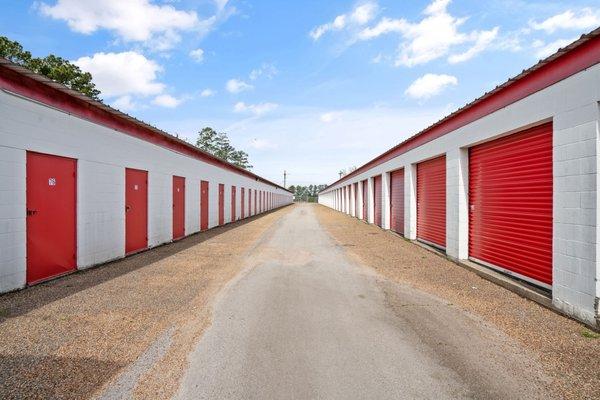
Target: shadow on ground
21 302
49 377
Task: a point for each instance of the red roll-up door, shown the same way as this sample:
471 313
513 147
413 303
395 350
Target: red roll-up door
51 216
221 204
431 201
510 204
377 198
249 202
203 205
233 189
136 210
356 200
178 207
255 198
242 203
365 190
397 201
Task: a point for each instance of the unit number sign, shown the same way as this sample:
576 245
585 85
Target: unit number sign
51 181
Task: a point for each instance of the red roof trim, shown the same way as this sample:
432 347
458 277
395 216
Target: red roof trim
576 57
25 83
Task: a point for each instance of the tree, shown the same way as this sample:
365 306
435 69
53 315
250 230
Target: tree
56 68
306 193
218 144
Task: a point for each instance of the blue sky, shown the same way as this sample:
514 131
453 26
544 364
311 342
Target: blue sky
310 87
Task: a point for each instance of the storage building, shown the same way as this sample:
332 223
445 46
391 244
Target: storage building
82 183
509 181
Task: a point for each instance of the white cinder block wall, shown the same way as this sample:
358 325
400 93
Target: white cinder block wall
102 155
572 105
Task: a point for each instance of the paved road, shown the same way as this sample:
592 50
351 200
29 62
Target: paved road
306 321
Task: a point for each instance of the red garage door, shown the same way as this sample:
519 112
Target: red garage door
242 203
136 210
510 195
221 204
255 199
377 198
233 203
431 201
203 205
178 207
397 201
365 190
51 222
356 200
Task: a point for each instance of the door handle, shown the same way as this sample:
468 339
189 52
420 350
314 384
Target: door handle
31 212
127 208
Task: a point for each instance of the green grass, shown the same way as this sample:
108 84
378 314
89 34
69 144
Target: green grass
589 334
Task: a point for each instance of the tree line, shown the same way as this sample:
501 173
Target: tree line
308 193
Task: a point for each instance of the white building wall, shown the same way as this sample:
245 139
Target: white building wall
12 218
102 155
572 105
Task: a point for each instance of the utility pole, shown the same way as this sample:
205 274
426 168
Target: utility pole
285 179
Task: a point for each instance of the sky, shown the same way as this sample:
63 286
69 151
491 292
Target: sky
311 87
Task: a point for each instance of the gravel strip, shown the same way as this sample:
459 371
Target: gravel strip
569 353
72 337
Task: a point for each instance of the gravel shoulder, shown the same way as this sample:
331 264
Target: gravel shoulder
123 329
565 348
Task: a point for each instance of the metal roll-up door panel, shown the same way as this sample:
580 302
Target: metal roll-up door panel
510 204
397 201
377 199
431 201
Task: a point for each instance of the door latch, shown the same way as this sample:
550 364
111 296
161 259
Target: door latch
127 208
31 212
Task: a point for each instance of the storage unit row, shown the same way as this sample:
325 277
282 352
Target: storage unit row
509 181
82 184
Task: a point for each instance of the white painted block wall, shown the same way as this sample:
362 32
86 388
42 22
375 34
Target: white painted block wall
573 106
102 155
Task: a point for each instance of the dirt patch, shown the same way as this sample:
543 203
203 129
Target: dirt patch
70 338
568 352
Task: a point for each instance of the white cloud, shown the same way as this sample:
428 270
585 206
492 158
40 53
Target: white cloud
331 116
543 49
197 55
586 18
256 109
430 85
124 103
207 93
364 13
377 59
166 100
122 74
267 70
237 86
360 15
159 26
386 25
435 36
482 41
262 144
